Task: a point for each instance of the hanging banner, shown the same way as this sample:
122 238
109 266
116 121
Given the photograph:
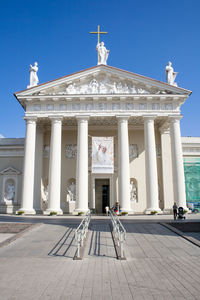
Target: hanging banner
102 155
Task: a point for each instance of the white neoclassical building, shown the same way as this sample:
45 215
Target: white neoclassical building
137 115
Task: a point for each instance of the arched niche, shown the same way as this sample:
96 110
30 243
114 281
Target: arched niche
9 186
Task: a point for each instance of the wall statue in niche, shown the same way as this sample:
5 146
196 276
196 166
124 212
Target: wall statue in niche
133 190
71 190
9 194
45 193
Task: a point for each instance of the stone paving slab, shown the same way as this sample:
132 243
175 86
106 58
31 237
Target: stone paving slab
5 236
13 227
100 242
159 265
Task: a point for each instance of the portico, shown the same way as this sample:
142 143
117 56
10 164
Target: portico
141 114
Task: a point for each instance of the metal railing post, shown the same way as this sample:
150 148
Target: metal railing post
81 232
119 232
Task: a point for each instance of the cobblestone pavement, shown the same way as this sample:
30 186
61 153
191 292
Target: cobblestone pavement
159 265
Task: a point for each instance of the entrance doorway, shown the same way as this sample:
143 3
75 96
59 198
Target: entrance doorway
102 195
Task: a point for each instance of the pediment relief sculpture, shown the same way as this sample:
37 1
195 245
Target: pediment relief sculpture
102 86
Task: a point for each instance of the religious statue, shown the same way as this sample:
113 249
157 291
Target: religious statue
33 75
114 89
94 86
10 192
45 193
170 74
71 192
133 191
71 89
102 54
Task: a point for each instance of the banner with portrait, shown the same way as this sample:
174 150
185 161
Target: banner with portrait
102 155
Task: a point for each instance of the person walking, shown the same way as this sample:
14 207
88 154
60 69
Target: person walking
175 208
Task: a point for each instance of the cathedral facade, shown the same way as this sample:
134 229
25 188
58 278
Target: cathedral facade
134 121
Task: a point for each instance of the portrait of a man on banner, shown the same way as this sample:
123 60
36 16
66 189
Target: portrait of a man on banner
102 155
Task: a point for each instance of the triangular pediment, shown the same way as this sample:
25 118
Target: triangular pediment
102 80
10 171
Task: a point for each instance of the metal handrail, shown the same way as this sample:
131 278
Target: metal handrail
119 232
81 232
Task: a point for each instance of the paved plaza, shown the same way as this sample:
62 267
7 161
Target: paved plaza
39 264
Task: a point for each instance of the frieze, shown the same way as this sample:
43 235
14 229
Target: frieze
104 86
71 151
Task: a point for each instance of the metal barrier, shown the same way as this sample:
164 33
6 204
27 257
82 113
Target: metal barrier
119 232
81 232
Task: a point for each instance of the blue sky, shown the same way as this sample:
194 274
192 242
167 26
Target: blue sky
142 37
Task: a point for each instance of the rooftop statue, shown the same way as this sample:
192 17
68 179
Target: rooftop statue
170 74
102 54
33 75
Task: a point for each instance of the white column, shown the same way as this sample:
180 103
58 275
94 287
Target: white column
55 167
177 162
37 201
29 166
82 165
123 164
167 177
151 165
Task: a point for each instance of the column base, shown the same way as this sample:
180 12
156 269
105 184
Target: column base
149 211
57 212
129 211
26 211
167 211
78 210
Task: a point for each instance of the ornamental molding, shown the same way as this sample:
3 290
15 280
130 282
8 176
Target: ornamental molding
103 105
11 152
191 150
10 171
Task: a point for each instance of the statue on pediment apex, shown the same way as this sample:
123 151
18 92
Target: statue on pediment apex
33 75
102 54
170 74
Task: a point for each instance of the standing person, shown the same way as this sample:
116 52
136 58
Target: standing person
175 208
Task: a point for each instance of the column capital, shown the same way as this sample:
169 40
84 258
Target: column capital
122 118
165 128
30 120
56 119
149 118
81 118
175 118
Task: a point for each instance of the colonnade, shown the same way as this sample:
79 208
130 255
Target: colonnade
82 164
